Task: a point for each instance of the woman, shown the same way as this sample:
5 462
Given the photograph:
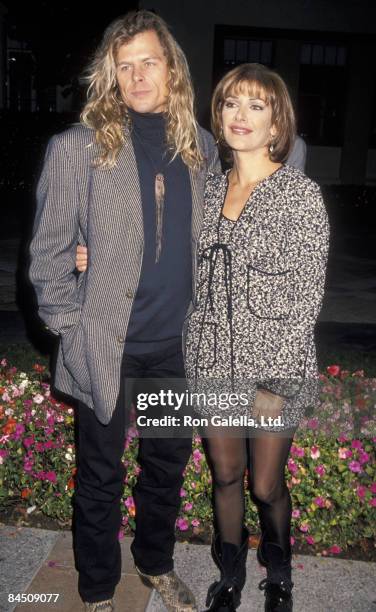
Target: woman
261 269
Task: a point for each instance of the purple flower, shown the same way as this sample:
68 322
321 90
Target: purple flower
372 502
50 476
357 444
310 540
373 487
319 501
20 429
27 442
355 466
182 524
313 423
363 457
183 493
361 491
320 470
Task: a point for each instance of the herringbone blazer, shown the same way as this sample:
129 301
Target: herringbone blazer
102 209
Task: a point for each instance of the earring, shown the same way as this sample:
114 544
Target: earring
271 147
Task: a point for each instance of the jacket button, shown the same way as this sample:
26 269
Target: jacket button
129 294
120 339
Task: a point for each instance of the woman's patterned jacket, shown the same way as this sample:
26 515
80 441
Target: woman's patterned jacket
259 295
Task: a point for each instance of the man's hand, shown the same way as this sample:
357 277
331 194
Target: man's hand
81 258
267 404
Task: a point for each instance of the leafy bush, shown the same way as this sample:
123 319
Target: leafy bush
330 472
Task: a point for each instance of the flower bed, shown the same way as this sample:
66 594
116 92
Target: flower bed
331 469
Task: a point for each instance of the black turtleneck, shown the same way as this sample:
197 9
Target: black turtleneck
164 289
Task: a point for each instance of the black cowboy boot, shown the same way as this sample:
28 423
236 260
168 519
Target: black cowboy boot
277 584
225 595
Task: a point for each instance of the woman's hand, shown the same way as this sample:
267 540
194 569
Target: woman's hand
267 404
81 258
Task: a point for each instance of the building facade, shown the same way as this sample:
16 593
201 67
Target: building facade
325 51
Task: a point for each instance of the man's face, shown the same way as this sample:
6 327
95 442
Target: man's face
142 73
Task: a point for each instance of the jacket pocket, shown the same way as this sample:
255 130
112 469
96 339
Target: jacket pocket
269 294
74 357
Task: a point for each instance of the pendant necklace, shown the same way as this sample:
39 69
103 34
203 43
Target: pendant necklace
159 196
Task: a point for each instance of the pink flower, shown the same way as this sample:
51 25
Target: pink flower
129 502
313 423
292 540
5 397
4 363
363 457
292 467
315 452
310 540
27 442
355 466
183 493
344 453
372 502
373 487
197 455
304 527
295 481
335 550
361 491
51 476
320 470
357 444
343 438
297 451
182 524
120 534
187 507
195 523
295 513
319 501
333 370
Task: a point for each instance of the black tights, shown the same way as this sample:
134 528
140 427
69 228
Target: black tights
266 457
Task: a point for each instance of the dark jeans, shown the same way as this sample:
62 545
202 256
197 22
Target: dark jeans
100 477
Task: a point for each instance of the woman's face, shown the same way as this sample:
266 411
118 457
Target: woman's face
247 122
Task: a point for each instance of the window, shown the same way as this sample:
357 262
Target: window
240 50
322 92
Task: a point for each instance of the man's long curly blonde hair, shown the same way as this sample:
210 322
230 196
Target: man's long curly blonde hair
105 111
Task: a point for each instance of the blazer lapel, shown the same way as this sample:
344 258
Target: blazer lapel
125 174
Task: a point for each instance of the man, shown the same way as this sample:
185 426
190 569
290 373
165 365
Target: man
128 183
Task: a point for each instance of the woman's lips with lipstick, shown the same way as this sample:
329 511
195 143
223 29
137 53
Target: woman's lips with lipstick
240 129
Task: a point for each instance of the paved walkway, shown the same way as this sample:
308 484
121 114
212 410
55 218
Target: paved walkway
39 561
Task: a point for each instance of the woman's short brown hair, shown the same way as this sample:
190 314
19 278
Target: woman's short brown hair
263 83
